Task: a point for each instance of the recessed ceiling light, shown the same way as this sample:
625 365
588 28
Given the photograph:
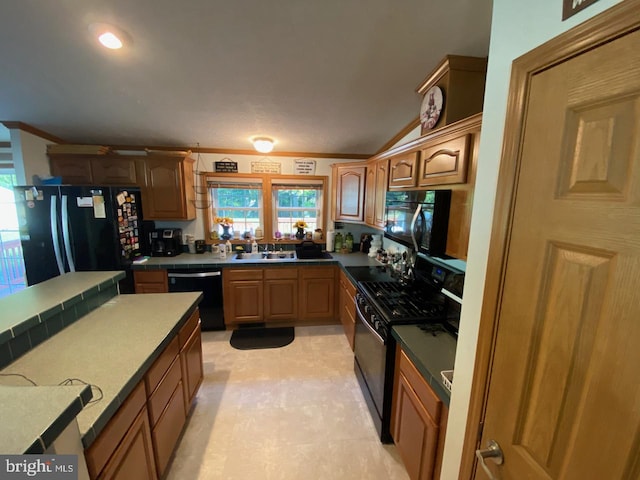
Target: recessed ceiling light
110 40
108 35
263 144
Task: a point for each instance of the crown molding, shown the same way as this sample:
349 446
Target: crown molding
25 127
230 151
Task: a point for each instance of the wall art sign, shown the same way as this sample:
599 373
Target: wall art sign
265 167
231 167
305 167
571 7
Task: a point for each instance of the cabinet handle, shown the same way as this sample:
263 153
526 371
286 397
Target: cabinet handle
494 452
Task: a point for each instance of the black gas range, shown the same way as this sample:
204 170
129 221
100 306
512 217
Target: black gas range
431 297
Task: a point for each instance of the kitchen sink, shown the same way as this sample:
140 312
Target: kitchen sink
266 256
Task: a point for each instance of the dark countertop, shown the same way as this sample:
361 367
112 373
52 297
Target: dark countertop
430 353
111 347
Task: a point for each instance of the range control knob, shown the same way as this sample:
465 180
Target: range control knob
367 309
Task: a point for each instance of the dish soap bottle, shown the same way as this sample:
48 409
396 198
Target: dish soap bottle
337 242
254 247
227 246
348 242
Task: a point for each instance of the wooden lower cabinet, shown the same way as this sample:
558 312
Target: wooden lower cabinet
150 281
280 294
243 293
317 292
347 305
140 438
418 421
126 439
190 338
133 459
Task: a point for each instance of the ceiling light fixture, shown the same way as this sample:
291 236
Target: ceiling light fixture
263 144
109 36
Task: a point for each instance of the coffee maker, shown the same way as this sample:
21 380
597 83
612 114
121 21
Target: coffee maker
166 242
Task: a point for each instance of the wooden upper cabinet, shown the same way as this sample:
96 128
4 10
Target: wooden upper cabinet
370 194
350 185
382 180
117 171
403 170
74 169
169 193
445 163
376 192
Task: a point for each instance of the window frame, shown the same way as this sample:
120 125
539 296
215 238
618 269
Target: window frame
268 181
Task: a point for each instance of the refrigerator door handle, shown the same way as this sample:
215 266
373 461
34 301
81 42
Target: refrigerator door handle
54 233
65 233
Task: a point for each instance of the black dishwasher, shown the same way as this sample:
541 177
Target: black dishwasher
209 282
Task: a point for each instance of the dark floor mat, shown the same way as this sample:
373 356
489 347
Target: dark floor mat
258 337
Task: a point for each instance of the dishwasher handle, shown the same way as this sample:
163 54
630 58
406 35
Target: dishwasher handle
194 275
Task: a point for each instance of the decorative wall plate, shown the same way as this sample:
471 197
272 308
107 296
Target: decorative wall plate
431 107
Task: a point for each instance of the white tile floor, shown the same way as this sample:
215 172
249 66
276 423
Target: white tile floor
294 412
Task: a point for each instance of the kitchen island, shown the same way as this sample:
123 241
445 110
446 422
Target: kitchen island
103 354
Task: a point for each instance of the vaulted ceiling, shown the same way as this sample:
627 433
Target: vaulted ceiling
333 76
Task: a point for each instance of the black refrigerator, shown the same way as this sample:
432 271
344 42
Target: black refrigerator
79 228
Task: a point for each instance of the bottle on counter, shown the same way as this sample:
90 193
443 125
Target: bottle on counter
337 242
254 247
348 242
227 246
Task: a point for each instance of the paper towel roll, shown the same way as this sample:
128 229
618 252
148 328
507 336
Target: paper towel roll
330 235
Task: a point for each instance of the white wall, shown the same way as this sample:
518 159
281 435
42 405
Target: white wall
517 27
29 156
196 227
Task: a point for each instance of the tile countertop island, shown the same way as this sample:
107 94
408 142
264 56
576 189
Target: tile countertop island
110 348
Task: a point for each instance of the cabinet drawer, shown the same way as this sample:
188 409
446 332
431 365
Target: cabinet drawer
280 273
317 272
243 274
161 395
424 392
161 365
187 329
168 429
103 447
150 276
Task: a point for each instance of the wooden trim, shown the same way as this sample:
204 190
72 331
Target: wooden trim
33 130
415 123
452 130
605 27
452 62
231 151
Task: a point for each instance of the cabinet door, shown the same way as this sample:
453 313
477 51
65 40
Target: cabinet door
403 170
317 295
347 308
167 431
415 433
350 185
281 299
243 301
133 459
169 194
73 170
445 163
370 194
114 171
382 178
192 370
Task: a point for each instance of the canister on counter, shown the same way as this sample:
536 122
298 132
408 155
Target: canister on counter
337 242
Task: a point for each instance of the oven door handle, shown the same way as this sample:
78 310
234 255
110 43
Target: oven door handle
366 324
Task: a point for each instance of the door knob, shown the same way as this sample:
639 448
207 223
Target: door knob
494 452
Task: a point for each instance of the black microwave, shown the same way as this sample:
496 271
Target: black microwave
418 219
